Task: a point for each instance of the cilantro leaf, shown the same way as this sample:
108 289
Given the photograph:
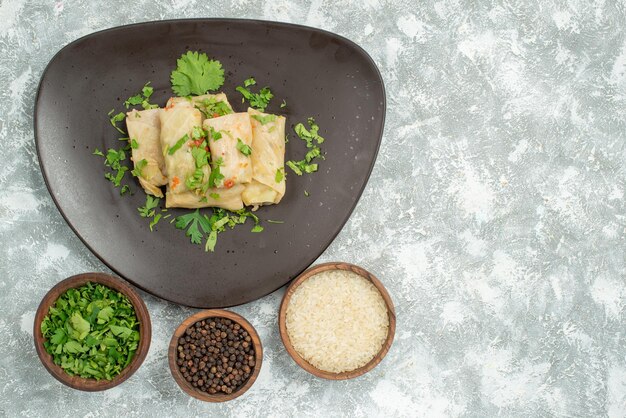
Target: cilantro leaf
216 176
98 152
243 148
212 108
280 175
178 144
115 119
309 136
264 119
139 166
148 210
195 74
258 100
134 144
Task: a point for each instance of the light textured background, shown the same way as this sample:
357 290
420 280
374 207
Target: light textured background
495 214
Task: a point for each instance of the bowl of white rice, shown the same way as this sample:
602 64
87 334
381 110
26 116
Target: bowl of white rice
337 321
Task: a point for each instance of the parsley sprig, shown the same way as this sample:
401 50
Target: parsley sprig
258 100
198 226
195 74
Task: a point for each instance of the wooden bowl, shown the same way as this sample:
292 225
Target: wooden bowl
145 331
305 364
214 313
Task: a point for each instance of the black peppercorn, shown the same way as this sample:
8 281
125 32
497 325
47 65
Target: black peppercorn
216 355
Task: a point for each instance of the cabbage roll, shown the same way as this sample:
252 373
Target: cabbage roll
211 105
180 127
268 159
144 128
214 197
230 138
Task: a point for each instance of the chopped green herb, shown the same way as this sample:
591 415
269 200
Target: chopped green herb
147 90
275 222
149 209
293 165
257 228
133 100
125 189
134 144
113 159
91 331
283 104
309 136
154 221
139 166
306 193
216 176
243 148
264 119
142 99
98 152
258 100
200 155
280 174
195 74
117 118
198 132
195 181
212 108
214 195
178 144
216 135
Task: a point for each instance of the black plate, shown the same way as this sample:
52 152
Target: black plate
320 74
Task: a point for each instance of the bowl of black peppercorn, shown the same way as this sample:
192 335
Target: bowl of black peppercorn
215 355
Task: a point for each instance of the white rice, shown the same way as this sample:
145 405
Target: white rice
337 321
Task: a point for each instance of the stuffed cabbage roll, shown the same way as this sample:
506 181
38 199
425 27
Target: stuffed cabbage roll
221 198
144 128
230 138
211 105
268 159
186 158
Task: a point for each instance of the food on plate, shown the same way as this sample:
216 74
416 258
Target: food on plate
204 152
225 198
268 159
178 120
144 129
91 331
230 137
337 321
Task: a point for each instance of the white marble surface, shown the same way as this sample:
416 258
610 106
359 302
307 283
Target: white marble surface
495 214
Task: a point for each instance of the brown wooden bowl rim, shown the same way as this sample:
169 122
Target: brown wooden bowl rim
145 330
312 271
214 313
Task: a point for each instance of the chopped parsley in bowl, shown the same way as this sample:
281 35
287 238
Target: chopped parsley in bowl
92 331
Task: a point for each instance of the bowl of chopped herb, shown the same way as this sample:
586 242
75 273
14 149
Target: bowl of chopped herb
215 355
92 331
